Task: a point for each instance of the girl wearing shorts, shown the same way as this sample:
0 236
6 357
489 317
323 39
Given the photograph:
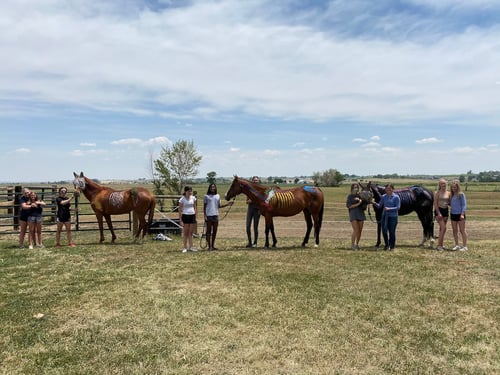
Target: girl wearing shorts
35 221
441 210
63 216
458 206
187 218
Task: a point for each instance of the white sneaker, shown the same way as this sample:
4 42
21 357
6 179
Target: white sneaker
193 249
31 247
456 248
440 248
184 250
464 248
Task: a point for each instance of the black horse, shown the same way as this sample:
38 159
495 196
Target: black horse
413 198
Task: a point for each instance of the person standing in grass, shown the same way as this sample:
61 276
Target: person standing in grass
441 210
187 218
211 205
253 215
35 220
390 204
357 215
23 216
458 206
63 216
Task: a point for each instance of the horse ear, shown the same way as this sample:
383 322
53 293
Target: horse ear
74 174
81 174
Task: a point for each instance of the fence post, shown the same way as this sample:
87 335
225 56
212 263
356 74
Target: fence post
54 205
18 191
77 218
135 222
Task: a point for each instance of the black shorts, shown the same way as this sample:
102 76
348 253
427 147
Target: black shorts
444 212
213 219
188 219
456 217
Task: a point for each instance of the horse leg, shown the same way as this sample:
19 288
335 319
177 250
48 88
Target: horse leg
268 228
110 227
307 217
317 228
101 227
275 241
427 229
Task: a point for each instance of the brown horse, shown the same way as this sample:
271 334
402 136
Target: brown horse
106 202
288 202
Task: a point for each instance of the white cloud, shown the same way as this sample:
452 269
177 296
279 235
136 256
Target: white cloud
371 145
246 64
463 150
88 144
140 142
158 141
375 138
128 141
234 149
425 141
23 150
360 140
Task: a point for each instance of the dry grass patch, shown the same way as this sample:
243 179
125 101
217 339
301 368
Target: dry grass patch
132 309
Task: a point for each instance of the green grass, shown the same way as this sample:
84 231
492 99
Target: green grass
149 309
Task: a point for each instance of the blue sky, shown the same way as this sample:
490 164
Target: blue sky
273 88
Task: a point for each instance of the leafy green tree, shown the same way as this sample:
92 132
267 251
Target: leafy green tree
211 177
176 164
331 177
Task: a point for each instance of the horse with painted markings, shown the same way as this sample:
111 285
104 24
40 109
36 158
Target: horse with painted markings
283 202
106 201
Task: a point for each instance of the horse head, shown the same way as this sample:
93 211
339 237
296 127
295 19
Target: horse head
235 189
366 193
79 182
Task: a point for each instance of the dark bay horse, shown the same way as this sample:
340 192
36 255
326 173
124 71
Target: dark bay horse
413 199
106 201
289 202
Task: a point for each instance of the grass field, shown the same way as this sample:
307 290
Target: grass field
149 309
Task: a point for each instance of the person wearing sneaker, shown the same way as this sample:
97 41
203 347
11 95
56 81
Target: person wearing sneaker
63 217
390 203
253 215
187 218
441 210
357 215
35 220
458 206
211 205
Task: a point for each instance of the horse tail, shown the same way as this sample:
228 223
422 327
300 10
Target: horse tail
321 210
151 214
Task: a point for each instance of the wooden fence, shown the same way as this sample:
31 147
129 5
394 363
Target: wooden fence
83 218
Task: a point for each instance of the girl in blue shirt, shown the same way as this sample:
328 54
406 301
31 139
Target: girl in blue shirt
458 206
390 204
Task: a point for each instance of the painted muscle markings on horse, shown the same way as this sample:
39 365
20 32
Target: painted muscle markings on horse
282 199
116 198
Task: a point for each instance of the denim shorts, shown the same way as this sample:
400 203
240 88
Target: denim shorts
35 219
